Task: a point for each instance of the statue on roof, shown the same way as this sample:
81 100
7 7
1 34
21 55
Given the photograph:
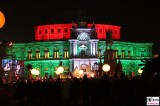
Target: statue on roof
109 40
73 25
82 21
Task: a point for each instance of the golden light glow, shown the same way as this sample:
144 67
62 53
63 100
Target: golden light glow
2 19
140 71
60 69
57 72
35 72
92 75
106 67
81 71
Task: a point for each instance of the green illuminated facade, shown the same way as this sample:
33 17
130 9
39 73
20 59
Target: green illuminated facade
45 56
80 51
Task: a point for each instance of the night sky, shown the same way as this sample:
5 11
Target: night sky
140 21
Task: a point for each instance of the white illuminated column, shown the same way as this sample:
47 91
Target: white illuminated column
106 67
76 48
94 49
91 49
74 45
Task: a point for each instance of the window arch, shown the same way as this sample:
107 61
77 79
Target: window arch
37 53
116 52
83 36
29 54
66 53
123 54
56 53
129 53
46 53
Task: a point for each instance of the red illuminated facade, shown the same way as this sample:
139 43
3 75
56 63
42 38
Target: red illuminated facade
62 31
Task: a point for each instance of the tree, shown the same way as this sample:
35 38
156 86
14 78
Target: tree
144 86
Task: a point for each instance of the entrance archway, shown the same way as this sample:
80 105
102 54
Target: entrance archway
85 67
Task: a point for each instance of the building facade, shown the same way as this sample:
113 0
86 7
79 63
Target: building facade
78 46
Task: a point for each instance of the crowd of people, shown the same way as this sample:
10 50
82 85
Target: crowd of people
104 91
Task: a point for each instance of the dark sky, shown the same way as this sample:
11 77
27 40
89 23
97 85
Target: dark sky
140 21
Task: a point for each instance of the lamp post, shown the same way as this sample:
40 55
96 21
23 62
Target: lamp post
105 68
100 67
95 69
60 69
35 72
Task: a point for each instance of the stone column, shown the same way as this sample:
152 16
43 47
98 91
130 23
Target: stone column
96 50
91 48
71 49
75 43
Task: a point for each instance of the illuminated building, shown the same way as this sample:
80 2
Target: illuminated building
77 46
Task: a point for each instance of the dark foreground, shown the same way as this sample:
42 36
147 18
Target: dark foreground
104 91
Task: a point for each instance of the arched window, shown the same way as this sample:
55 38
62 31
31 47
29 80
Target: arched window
83 36
116 53
100 30
58 30
29 54
52 30
82 54
46 53
65 30
46 31
56 53
122 53
66 53
129 53
40 32
37 54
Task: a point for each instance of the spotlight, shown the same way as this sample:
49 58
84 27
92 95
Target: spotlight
9 44
6 43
